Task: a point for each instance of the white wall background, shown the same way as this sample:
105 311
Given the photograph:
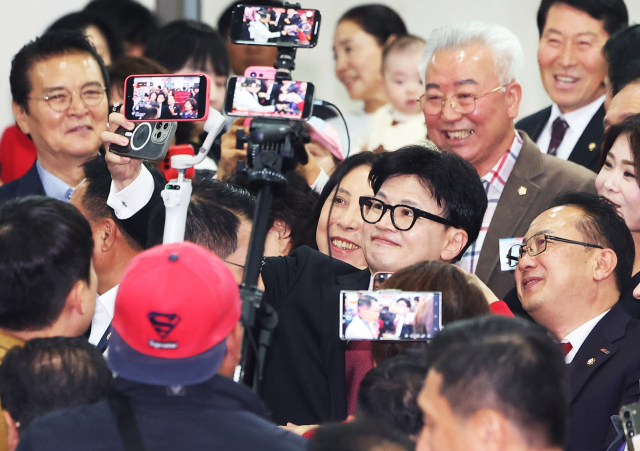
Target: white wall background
26 19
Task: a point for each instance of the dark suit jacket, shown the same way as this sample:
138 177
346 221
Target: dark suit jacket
584 153
304 375
28 184
542 177
600 387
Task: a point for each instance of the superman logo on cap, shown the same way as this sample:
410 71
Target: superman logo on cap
164 323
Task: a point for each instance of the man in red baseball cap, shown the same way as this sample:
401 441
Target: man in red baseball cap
176 324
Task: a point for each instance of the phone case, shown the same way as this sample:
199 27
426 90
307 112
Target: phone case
148 141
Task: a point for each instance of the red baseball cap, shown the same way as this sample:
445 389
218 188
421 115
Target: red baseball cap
175 306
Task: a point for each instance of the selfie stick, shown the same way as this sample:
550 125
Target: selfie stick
177 192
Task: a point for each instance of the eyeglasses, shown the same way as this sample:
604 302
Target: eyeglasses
536 245
403 217
60 99
461 103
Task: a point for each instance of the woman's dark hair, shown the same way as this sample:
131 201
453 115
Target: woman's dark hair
349 164
183 42
132 21
630 128
82 20
131 65
380 21
193 103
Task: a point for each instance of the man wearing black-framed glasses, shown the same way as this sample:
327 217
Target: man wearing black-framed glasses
575 260
60 100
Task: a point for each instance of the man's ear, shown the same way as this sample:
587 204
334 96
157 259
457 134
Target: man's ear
13 436
605 264
279 238
456 241
232 357
107 231
490 428
20 115
79 300
514 96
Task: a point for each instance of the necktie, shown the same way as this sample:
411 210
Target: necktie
566 348
558 129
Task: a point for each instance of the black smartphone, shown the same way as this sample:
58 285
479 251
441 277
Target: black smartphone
147 141
378 278
630 417
284 27
170 97
260 97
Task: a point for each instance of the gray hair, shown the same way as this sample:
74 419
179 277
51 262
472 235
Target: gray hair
504 45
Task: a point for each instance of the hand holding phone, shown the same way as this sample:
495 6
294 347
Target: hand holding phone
123 170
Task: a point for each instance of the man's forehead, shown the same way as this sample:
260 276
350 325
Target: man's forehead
624 104
469 62
554 219
80 64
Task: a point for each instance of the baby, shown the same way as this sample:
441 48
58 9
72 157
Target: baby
401 121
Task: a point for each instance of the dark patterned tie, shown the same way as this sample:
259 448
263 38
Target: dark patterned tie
558 129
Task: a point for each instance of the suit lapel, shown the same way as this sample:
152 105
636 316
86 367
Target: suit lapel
544 118
512 206
587 150
30 184
591 356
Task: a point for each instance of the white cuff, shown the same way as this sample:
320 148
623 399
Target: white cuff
320 182
134 197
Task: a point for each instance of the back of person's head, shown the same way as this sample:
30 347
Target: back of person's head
602 225
630 129
507 365
45 249
50 374
389 392
97 185
379 21
224 21
612 13
176 305
209 224
402 44
367 435
236 199
187 43
82 20
134 23
508 57
132 65
623 58
452 181
49 45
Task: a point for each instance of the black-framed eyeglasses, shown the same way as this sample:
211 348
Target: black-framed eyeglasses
60 99
403 217
536 245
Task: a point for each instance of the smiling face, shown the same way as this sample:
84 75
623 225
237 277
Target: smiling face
617 182
345 222
388 249
570 57
74 132
358 58
402 80
484 135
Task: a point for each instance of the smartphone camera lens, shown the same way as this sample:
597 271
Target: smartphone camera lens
253 74
159 135
158 124
627 414
166 125
629 424
631 433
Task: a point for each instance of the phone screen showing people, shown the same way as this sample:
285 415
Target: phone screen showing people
390 315
259 97
262 25
166 97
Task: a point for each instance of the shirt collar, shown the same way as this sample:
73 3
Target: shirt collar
53 186
580 118
108 299
498 175
580 334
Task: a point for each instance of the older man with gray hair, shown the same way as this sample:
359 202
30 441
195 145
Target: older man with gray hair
471 98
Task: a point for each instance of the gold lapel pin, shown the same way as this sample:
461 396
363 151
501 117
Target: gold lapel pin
592 147
522 190
606 351
591 361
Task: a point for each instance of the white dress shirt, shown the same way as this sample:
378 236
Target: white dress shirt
577 120
105 306
579 335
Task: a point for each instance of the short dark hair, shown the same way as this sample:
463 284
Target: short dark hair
224 21
453 182
366 300
45 249
402 44
49 45
379 21
135 23
367 435
623 58
209 224
389 392
98 185
132 65
50 374
83 19
612 13
630 128
340 172
507 364
603 225
183 42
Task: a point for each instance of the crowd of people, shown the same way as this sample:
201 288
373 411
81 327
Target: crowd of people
527 236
